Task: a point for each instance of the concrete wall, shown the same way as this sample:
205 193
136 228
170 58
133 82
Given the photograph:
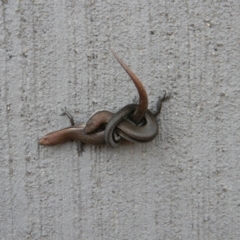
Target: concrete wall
183 185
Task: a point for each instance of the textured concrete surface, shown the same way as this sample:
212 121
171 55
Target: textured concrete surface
183 185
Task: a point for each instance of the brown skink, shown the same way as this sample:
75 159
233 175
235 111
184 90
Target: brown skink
72 133
126 129
144 133
77 132
86 133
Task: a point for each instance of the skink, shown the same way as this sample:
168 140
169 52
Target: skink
127 130
75 132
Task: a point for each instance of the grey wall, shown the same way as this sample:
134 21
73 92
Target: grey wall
183 185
